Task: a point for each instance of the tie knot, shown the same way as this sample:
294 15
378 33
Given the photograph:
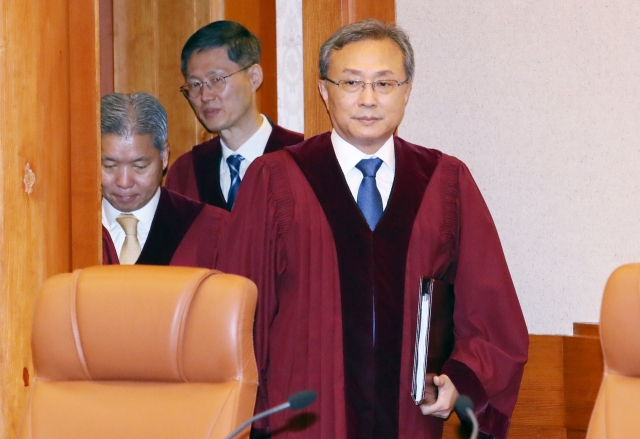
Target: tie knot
369 167
129 223
234 162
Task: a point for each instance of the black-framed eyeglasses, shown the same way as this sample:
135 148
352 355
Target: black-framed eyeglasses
382 86
192 90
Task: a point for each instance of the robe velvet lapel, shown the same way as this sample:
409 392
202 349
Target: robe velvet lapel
281 137
206 167
172 220
372 270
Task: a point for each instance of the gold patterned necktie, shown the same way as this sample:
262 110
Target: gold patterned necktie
131 247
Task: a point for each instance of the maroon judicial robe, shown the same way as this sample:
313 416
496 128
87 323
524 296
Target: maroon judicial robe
183 232
298 233
196 174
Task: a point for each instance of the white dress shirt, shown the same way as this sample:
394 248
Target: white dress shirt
250 150
145 217
349 156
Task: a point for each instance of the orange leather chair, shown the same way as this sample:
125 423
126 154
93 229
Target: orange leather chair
616 414
142 352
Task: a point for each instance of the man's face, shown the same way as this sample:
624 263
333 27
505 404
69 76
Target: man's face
230 108
131 170
366 118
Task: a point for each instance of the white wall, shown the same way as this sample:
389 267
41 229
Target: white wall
541 99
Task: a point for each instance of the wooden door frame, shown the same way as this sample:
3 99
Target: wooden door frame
320 19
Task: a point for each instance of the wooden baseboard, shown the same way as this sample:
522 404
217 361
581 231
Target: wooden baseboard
559 387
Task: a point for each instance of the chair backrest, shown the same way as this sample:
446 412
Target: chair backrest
617 409
142 352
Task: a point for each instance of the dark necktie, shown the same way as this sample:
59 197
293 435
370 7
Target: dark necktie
369 199
234 172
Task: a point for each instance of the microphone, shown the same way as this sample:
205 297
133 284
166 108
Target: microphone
464 410
296 401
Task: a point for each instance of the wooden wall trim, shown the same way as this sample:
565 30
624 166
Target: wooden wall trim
84 122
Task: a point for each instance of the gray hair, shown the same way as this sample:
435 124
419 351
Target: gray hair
367 29
135 113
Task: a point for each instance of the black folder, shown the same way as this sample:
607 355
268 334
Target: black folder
434 332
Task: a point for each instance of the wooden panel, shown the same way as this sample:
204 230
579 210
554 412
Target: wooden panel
528 432
148 38
586 330
541 401
134 45
451 428
260 19
583 369
178 21
106 46
383 10
34 229
86 216
539 411
320 19
576 434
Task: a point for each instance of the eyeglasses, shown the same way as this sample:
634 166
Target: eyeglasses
192 90
382 86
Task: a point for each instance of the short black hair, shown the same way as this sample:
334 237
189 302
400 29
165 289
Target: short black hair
243 47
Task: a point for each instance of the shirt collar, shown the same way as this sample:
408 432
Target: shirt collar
145 214
349 156
254 146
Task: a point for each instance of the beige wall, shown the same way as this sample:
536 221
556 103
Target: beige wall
542 100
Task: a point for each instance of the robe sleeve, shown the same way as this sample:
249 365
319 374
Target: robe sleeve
200 245
491 338
181 177
252 246
109 253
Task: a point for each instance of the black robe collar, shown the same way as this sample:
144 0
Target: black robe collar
171 222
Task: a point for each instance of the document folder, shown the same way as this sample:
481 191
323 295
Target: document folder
434 333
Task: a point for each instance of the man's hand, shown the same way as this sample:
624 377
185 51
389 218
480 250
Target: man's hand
446 398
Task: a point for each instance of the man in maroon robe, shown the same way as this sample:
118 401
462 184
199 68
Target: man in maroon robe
338 252
142 223
220 64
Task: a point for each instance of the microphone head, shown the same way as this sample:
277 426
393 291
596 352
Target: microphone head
302 399
463 402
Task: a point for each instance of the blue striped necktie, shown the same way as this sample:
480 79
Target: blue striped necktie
369 199
234 172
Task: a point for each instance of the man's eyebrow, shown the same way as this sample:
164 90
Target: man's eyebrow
359 72
212 72
139 159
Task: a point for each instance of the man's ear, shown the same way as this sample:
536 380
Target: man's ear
255 76
407 93
164 156
322 87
